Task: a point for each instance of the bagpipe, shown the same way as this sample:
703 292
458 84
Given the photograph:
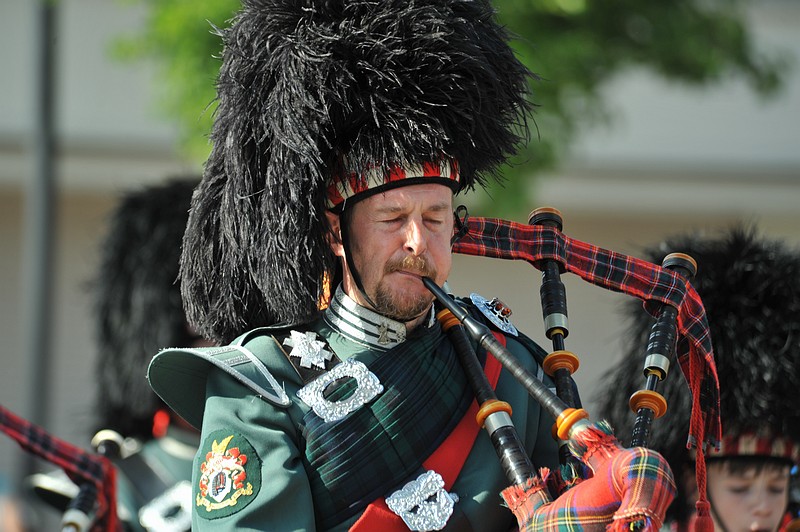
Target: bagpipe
151 494
94 507
627 488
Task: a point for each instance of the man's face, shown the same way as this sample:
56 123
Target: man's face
748 500
395 238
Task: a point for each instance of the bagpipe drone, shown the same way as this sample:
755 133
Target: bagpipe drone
628 489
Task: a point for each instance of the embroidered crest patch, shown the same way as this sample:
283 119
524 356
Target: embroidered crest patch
230 475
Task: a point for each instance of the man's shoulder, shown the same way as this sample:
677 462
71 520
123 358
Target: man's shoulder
256 359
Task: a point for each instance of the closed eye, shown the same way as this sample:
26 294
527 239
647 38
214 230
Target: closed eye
390 217
778 490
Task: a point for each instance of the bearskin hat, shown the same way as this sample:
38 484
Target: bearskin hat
313 90
137 301
750 287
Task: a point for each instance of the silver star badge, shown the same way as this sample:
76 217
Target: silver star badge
308 349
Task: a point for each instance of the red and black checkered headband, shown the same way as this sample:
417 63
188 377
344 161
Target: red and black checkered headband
349 186
749 444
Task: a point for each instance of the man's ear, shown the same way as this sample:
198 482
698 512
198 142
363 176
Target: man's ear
335 233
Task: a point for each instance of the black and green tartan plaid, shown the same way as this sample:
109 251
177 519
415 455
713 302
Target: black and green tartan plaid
370 453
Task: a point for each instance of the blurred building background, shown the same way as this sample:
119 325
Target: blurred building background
673 159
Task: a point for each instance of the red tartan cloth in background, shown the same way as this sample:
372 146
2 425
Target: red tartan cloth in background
492 237
79 465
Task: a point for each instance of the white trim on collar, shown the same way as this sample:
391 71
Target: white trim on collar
363 325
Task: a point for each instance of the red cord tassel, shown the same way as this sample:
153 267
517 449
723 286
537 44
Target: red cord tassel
703 522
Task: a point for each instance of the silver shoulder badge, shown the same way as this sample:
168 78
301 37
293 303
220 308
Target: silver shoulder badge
496 311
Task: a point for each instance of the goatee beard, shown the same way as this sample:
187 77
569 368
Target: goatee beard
389 305
398 306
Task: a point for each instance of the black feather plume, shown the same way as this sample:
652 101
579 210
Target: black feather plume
137 301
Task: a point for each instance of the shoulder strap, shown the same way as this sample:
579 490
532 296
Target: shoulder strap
179 377
244 366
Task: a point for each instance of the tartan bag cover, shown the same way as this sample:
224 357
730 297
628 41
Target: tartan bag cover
630 490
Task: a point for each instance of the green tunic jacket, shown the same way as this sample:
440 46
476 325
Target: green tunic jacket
272 488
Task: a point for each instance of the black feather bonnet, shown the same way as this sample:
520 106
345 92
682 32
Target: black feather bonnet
310 91
137 301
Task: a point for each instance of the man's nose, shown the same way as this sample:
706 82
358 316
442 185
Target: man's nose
415 243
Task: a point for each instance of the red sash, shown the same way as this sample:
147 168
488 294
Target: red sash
447 460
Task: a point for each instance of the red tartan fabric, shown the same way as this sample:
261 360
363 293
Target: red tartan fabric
351 184
749 444
492 237
79 465
630 490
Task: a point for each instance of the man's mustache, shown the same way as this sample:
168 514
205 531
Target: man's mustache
412 264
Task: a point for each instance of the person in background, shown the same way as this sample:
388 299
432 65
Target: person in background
750 286
138 309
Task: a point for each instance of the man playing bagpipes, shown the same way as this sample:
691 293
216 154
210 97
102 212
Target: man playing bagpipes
751 289
343 131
